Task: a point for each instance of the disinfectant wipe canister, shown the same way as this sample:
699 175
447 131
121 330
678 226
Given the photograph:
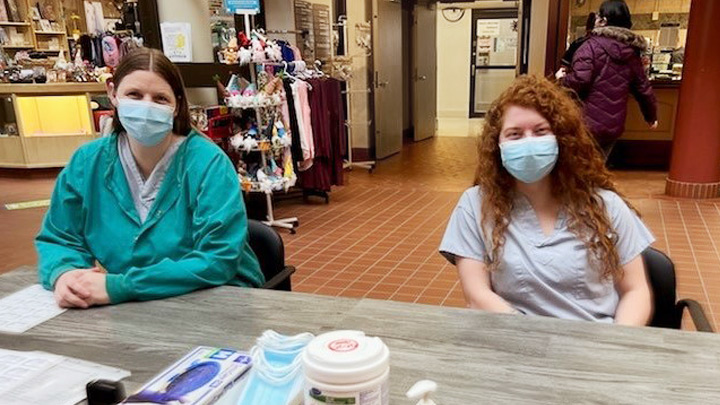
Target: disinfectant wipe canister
346 367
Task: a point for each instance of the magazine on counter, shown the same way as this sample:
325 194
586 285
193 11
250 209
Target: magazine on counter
199 378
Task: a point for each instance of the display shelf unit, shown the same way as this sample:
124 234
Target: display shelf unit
30 134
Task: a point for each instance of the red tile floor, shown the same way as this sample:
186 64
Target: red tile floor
379 235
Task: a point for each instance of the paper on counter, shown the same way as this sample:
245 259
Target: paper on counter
35 378
27 308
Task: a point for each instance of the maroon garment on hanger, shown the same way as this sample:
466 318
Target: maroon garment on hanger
328 123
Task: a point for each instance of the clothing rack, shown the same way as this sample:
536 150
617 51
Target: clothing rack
306 193
368 165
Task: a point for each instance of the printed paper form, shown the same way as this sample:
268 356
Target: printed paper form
35 378
27 308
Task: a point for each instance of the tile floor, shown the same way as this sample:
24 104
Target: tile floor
379 235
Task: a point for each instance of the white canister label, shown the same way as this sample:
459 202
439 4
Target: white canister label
377 396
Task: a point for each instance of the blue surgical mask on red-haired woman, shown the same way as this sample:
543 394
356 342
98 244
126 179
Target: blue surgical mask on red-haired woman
530 159
147 122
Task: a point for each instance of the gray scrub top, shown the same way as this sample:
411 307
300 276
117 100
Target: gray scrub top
546 275
144 190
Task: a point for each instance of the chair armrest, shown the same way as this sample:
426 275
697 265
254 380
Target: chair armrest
696 313
279 278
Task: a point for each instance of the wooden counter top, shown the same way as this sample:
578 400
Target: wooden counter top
666 84
51 88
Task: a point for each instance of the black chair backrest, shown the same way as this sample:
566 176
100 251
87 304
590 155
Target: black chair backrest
270 251
661 274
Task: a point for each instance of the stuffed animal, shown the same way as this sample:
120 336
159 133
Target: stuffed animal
273 51
258 51
243 40
244 56
230 53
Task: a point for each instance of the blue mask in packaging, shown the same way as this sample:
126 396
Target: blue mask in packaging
147 122
530 159
277 373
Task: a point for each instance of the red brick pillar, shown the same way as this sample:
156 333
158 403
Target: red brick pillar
695 162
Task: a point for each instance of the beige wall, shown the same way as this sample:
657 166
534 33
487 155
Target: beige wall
639 6
195 12
538 36
280 15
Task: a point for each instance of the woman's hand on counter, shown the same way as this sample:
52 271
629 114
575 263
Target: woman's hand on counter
654 125
81 288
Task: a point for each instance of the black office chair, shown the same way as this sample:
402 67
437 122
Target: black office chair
668 311
270 251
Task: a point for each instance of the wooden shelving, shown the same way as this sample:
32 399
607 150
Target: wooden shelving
14 24
30 28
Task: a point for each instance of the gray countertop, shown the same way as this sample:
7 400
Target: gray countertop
475 357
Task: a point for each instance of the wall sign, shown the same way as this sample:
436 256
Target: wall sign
242 6
177 41
489 28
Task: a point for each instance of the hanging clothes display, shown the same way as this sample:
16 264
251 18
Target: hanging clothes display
291 117
311 108
328 121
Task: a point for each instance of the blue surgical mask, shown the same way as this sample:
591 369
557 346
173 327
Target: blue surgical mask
530 159
147 122
277 373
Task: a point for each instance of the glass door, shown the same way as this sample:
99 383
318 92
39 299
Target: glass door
494 58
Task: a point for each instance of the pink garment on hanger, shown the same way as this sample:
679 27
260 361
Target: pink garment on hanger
302 108
111 51
296 52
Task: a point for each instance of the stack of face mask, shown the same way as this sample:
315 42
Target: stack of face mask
276 377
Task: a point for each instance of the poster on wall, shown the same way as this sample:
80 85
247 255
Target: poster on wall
177 41
488 28
242 6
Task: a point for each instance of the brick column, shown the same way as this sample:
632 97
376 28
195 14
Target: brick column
695 162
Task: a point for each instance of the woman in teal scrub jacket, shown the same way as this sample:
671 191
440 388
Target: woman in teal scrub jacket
154 210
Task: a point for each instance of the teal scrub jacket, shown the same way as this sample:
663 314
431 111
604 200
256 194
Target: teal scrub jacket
195 235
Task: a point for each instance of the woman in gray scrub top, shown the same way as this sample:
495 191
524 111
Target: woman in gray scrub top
544 231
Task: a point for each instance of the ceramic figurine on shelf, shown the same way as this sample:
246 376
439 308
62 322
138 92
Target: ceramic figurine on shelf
103 74
22 57
61 62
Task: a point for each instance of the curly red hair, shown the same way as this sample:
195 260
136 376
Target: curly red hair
578 174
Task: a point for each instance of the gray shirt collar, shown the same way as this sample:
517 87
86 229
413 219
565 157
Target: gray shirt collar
144 191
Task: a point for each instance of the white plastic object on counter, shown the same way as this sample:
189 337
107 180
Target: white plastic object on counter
346 367
421 392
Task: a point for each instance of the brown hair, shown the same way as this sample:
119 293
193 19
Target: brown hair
578 174
155 61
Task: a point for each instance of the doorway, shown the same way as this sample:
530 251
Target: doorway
494 56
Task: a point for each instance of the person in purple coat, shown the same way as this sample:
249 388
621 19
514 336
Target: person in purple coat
605 70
